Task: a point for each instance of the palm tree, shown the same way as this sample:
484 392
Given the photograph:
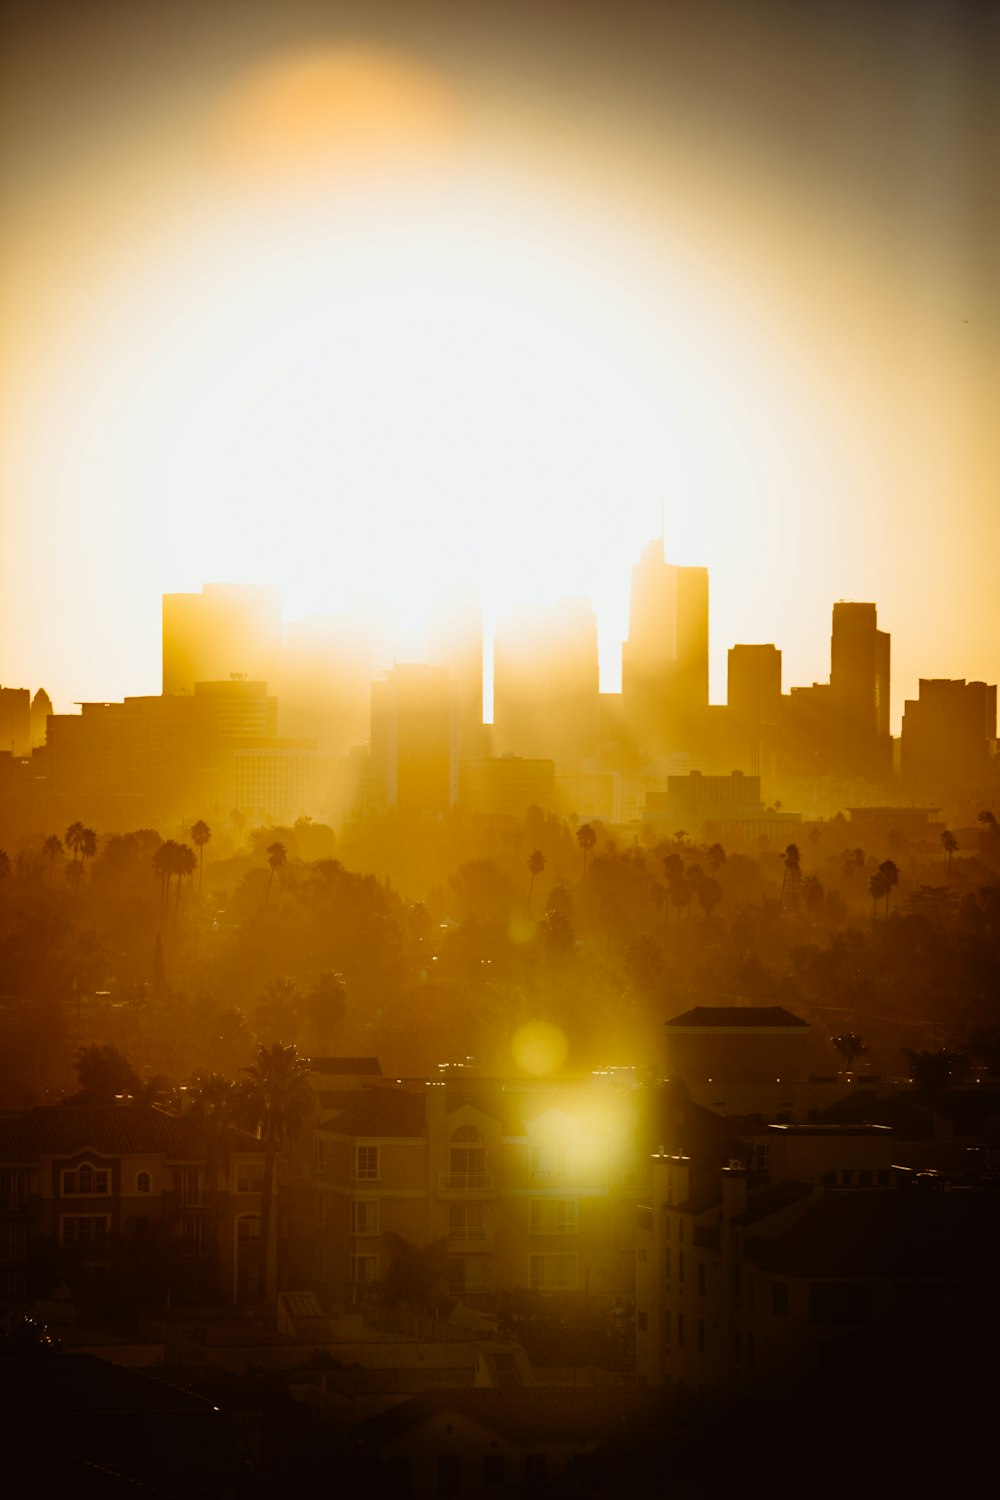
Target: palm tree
889 871
277 858
53 847
949 843
586 838
715 857
536 864
850 1046
877 888
88 844
213 1104
275 1097
163 869
185 863
200 835
75 835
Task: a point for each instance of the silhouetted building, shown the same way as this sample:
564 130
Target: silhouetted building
506 785
949 730
665 659
754 702
725 808
324 679
414 764
15 720
227 628
545 684
859 692
806 740
41 707
456 642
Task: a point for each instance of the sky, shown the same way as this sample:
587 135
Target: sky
391 303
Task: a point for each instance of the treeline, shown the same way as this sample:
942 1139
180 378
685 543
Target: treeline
430 942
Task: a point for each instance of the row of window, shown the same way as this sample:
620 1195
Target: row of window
467 1221
465 1159
468 1273
94 1229
86 1181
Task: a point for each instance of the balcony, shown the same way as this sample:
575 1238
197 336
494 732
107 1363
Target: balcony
465 1182
471 1239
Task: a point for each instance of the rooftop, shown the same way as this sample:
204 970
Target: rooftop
741 1016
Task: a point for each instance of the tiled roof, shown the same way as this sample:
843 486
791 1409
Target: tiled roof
346 1067
738 1015
112 1130
891 1232
386 1112
530 1414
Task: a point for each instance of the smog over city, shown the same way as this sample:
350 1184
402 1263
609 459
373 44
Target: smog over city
499 786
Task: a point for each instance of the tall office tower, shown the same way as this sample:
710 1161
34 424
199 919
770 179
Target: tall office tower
15 720
455 641
227 628
546 684
859 692
414 766
324 680
41 707
665 659
949 731
754 702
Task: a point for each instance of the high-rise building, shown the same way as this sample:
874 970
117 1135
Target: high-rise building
859 692
949 731
546 684
665 659
15 720
324 681
414 766
228 628
754 702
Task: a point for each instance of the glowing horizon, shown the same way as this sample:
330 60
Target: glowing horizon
351 320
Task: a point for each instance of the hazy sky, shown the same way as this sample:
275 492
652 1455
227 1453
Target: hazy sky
383 301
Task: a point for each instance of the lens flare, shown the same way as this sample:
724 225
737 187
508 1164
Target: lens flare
539 1048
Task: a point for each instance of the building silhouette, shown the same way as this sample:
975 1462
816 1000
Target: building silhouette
754 701
859 692
546 684
665 658
227 628
413 759
949 731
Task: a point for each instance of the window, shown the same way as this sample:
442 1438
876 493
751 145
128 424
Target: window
552 1273
13 1188
86 1182
248 1229
250 1177
195 1235
319 1153
642 1321
467 1156
366 1163
552 1216
466 1273
701 1335
534 1470
779 1299
84 1229
680 1229
666 1328
548 1161
701 1278
680 1329
751 1349
449 1474
364 1268
364 1216
493 1470
666 1262
143 1183
680 1265
466 1221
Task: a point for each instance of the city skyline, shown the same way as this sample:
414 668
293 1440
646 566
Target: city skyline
404 306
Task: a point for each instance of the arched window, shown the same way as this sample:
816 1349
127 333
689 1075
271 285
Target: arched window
468 1153
143 1183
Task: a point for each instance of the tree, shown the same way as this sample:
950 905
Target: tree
709 894
185 863
105 1074
325 1006
716 856
877 888
415 1272
53 847
890 877
274 1098
277 858
949 843
278 1008
586 838
200 836
214 1100
75 834
812 894
852 861
850 1046
536 864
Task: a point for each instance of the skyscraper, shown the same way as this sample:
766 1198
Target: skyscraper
546 683
754 702
665 659
859 692
228 628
